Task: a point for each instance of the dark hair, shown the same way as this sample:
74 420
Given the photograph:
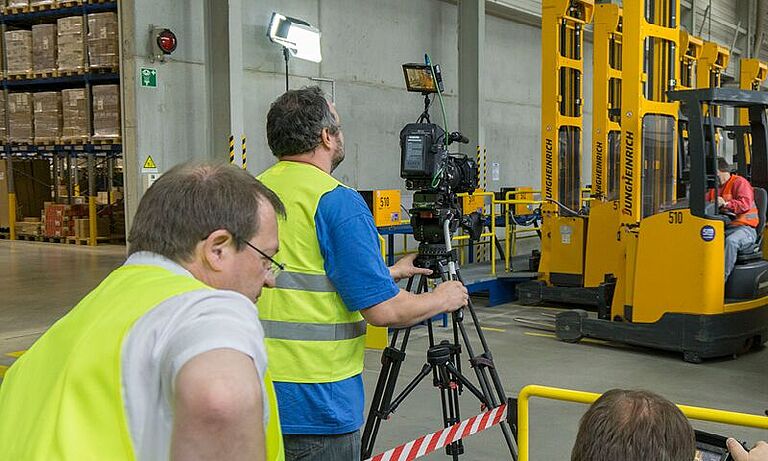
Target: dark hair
634 425
296 120
190 201
722 165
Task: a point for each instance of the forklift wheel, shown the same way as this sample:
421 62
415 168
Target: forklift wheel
692 357
568 325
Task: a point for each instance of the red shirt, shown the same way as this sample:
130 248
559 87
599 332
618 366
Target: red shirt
743 197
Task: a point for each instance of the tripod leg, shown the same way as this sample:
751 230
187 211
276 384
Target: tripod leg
483 378
391 361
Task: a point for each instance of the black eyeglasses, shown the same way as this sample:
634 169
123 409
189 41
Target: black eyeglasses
274 267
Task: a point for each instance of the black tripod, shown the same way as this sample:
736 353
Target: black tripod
443 362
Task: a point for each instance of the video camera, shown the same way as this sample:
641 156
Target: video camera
433 173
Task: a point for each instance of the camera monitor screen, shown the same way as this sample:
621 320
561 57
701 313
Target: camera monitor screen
414 154
418 78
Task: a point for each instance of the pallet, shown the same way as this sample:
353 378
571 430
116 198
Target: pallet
19 75
46 74
29 237
74 141
43 7
55 239
71 72
16 9
105 69
105 141
45 142
84 241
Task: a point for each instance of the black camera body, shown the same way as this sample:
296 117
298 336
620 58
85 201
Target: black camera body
436 176
425 163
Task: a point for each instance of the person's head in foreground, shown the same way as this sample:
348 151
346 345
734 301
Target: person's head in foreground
625 425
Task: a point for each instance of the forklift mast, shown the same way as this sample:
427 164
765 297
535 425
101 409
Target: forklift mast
690 53
562 35
752 74
606 94
649 118
712 63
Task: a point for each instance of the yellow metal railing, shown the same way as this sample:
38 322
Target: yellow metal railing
510 233
566 395
491 234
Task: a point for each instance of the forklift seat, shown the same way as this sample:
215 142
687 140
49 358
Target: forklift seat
754 251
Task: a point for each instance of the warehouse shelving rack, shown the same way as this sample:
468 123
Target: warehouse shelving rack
64 156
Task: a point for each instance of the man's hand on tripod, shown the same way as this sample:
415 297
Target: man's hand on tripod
453 295
404 268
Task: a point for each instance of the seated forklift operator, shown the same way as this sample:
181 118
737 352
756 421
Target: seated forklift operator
735 197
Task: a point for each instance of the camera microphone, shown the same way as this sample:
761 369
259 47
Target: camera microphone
458 137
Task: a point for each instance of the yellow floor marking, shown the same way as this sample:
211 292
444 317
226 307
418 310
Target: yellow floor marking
3 370
16 354
584 340
541 335
500 330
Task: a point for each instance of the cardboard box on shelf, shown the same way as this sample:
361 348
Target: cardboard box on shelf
18 45
83 227
29 228
44 47
47 116
60 219
17 3
103 40
71 49
20 116
74 114
106 111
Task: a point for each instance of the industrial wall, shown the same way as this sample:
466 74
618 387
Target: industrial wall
364 43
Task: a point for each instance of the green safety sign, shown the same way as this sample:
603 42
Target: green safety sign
148 77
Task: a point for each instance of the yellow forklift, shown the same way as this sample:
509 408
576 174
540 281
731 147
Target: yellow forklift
672 295
577 256
670 292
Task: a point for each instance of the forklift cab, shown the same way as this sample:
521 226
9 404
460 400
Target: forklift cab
749 279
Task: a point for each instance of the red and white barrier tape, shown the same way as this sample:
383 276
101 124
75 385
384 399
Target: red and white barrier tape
426 444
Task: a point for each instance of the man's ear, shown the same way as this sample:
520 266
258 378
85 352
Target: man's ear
325 137
217 248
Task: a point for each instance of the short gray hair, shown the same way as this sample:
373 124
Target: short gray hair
192 200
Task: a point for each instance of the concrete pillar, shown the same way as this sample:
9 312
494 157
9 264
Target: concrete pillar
224 75
471 67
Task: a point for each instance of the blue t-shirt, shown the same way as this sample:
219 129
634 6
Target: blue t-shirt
349 244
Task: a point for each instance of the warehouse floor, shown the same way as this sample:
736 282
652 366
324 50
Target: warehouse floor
43 281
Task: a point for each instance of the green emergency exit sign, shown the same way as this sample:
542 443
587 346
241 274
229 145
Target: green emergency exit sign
148 77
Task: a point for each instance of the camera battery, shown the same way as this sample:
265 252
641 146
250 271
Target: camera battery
384 205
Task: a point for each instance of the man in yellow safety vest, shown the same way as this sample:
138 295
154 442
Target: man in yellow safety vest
335 281
165 358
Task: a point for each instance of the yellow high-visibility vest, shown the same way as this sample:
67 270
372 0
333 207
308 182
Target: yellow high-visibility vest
311 335
63 399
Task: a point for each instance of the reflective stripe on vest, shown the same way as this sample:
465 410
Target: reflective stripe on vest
311 336
295 331
305 282
751 217
63 399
